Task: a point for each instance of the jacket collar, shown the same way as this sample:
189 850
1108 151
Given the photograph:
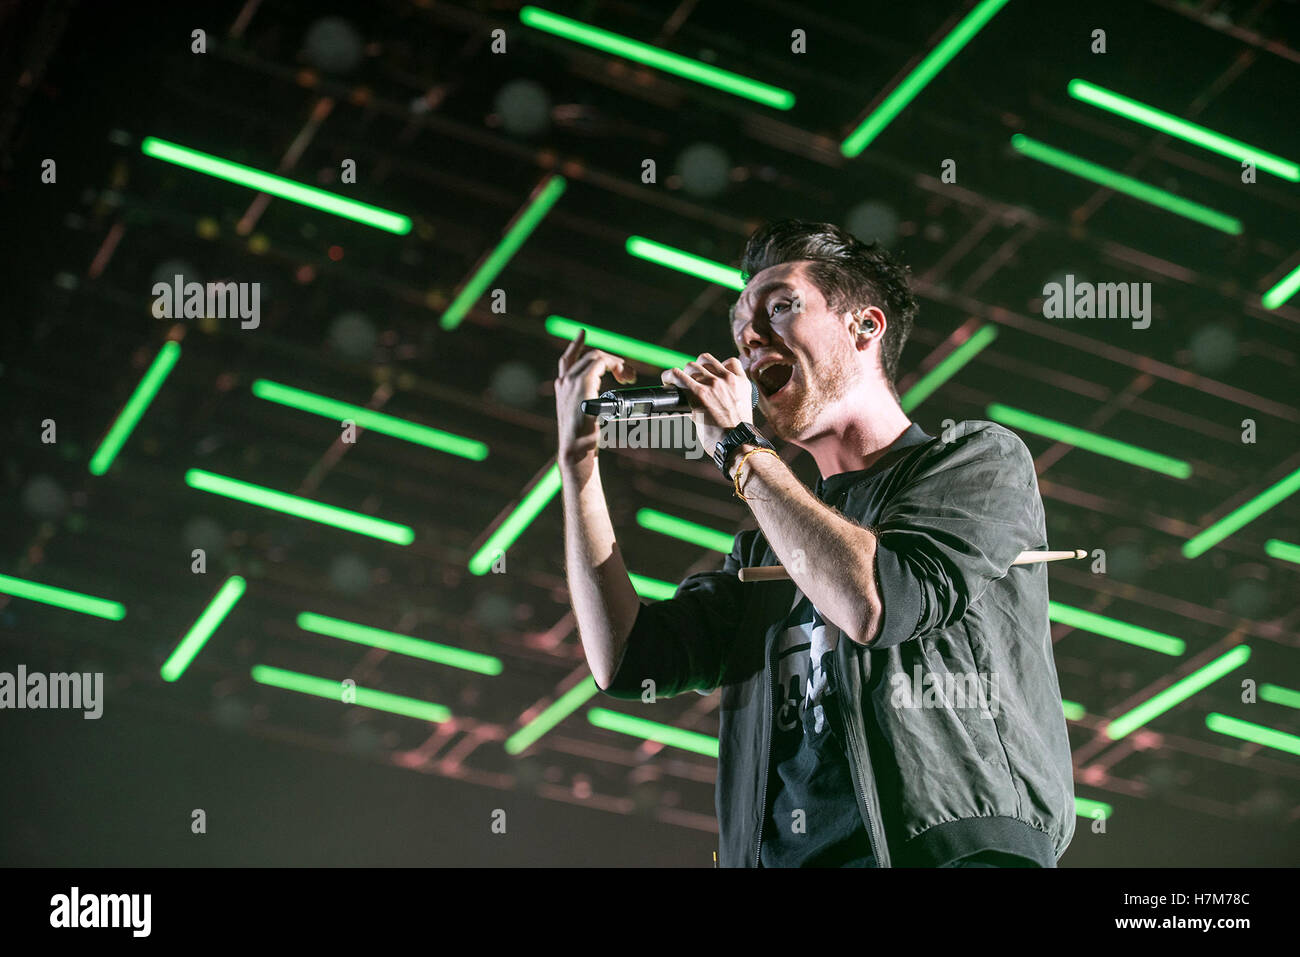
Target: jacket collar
834 484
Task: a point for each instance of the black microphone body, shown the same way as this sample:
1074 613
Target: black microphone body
648 400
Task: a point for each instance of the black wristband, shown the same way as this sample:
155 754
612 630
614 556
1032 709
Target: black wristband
743 434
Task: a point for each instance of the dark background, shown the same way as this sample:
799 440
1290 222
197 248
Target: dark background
287 779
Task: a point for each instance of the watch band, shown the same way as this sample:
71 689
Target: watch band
742 434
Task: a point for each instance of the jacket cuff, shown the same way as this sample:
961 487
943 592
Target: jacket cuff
900 599
625 683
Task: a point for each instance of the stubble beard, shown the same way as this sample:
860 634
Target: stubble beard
833 382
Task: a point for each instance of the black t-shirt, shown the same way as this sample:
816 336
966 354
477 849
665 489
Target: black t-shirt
812 817
809 770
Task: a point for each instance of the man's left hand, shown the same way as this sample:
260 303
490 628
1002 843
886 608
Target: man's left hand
721 396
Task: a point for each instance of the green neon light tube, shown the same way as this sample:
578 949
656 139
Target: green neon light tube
202 630
326 202
948 367
1119 630
1283 291
365 697
1073 710
1257 506
1276 548
370 419
701 535
620 345
1182 129
1256 733
1121 183
299 507
135 407
652 588
561 708
916 81
682 261
1177 693
515 236
1089 441
400 644
508 532
62 598
1091 809
650 56
654 731
1276 694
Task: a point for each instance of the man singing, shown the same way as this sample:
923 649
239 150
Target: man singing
895 703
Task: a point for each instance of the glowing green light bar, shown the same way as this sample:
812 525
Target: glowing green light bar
650 56
1121 183
1177 693
702 535
1276 548
1283 291
522 228
1182 129
916 81
202 630
1111 628
62 598
134 409
1073 710
654 588
1089 441
1257 506
561 708
365 697
654 731
326 202
1256 733
370 419
620 345
1092 809
1276 694
400 644
682 261
529 507
299 507
948 367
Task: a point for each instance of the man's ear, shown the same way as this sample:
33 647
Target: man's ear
869 324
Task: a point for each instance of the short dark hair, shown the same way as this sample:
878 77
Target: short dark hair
848 273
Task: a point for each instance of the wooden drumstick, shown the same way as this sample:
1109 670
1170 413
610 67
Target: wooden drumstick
768 573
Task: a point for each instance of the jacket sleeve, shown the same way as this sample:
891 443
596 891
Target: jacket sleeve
964 512
681 643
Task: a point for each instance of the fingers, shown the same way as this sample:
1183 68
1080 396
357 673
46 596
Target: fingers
707 361
682 379
594 362
624 372
706 368
578 354
572 351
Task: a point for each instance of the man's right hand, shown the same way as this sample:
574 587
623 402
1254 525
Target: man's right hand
581 369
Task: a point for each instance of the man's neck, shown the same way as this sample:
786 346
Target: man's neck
850 439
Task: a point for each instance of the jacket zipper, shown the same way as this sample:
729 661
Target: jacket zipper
767 756
851 734
858 779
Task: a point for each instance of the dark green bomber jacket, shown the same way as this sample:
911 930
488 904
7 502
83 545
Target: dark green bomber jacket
939 774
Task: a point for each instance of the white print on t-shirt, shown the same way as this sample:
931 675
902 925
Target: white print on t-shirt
800 655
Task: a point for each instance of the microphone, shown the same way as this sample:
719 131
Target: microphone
655 400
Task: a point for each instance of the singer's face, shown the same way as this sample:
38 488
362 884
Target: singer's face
798 352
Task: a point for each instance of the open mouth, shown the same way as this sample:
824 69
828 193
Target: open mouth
772 379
